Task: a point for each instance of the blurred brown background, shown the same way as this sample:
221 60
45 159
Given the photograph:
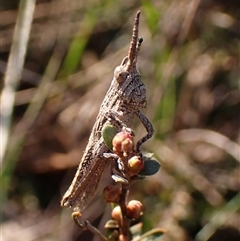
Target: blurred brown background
189 62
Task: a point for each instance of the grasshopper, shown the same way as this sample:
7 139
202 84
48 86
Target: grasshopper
124 99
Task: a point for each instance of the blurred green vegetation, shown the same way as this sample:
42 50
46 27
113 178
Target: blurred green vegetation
189 62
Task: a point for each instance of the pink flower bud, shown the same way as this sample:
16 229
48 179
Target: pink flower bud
134 209
123 143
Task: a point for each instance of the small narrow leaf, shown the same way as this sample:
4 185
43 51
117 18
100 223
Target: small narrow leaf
119 179
111 224
153 235
148 155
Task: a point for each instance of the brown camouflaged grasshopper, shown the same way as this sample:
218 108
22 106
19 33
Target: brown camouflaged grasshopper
124 99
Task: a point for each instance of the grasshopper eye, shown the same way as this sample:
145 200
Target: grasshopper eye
120 75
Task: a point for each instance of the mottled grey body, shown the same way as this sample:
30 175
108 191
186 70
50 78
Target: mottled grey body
124 99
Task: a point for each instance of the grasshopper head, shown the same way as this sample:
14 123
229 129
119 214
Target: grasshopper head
130 87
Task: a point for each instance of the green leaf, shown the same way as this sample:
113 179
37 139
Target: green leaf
108 133
151 167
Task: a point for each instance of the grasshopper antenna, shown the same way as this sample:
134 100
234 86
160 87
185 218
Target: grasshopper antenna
135 44
139 42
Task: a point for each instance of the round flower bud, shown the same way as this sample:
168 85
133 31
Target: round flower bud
112 193
135 165
117 213
123 237
134 209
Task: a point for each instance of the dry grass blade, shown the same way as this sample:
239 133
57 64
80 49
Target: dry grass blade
210 137
14 68
218 219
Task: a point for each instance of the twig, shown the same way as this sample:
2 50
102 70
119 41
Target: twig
124 226
87 225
